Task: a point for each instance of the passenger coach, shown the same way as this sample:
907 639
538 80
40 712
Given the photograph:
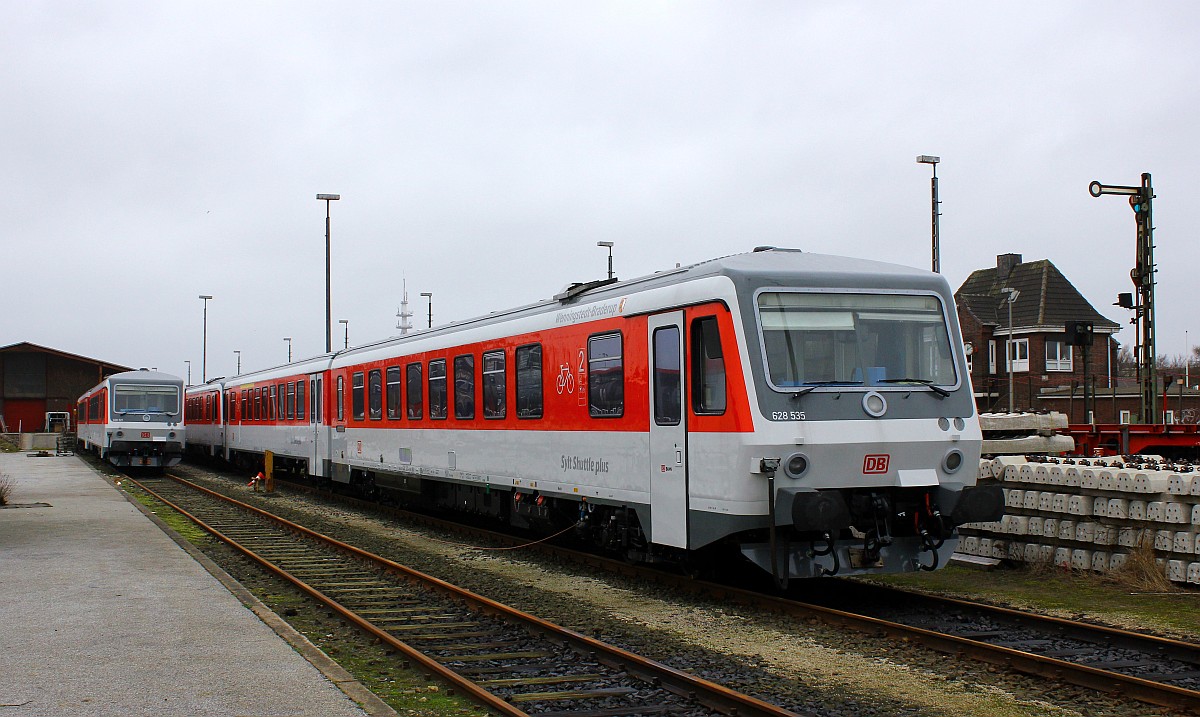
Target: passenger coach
812 413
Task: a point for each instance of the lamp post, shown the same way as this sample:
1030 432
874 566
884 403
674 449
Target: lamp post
429 295
1012 297
937 251
346 323
327 198
609 245
239 362
204 342
189 364
288 339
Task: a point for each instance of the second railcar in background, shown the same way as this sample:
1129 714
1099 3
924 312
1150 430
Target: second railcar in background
133 419
812 413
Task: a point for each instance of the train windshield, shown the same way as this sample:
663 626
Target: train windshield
143 398
855 339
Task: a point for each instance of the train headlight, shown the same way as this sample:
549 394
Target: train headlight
796 465
953 461
874 404
120 433
171 434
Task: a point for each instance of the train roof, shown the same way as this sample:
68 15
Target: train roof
144 376
763 265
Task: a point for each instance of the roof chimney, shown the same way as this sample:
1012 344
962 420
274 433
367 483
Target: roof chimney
1005 263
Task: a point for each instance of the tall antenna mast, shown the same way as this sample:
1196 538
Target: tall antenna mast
403 315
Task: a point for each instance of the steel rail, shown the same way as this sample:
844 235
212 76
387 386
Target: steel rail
1136 688
709 694
1016 660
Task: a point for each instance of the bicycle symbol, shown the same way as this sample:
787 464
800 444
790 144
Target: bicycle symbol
565 379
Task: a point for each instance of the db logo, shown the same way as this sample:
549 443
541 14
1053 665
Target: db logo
876 463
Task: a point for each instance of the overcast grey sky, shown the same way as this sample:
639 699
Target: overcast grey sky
154 151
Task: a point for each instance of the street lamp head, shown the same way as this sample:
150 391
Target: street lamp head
427 294
329 197
205 296
928 159
605 243
1012 293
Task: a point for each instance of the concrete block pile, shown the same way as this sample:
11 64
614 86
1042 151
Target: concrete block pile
1088 514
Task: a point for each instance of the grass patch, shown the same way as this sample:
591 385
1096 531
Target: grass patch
1155 607
7 446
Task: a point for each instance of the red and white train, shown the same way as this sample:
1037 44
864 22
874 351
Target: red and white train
812 413
133 419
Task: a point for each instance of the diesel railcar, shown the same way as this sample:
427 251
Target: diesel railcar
133 419
811 413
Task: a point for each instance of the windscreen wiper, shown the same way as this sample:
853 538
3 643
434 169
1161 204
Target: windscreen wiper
810 386
923 381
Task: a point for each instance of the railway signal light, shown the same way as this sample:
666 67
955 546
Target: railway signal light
1140 204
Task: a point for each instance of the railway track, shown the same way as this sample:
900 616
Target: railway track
504 659
1146 668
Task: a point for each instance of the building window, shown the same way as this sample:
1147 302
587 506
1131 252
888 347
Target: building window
1020 354
375 393
415 394
529 381
606 376
992 358
1126 417
1058 356
493 384
708 367
1168 416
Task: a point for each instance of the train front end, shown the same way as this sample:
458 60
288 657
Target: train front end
145 423
867 440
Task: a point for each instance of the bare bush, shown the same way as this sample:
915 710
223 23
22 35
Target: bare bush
7 483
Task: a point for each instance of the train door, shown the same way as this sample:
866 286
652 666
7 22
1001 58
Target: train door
668 432
319 455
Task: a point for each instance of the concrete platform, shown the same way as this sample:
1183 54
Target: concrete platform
102 613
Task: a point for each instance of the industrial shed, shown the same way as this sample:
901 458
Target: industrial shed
35 379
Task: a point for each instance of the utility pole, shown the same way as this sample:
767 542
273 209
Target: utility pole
1140 200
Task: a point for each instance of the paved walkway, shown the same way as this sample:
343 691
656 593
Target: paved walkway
102 613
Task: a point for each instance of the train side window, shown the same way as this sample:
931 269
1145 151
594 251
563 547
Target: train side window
494 384
312 400
257 400
529 381
300 400
394 407
274 403
708 367
341 398
415 394
464 387
375 394
317 398
668 393
437 388
357 404
291 400
606 376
